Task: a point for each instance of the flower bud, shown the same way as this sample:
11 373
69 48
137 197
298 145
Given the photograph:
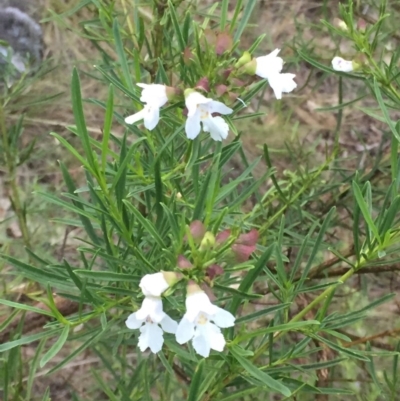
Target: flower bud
243 252
203 85
224 43
214 271
184 263
249 238
208 241
225 73
222 236
246 58
221 89
197 230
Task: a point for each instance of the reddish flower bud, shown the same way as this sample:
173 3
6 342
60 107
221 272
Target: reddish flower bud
249 238
238 82
224 43
214 271
184 263
203 85
221 89
222 237
197 230
225 73
243 252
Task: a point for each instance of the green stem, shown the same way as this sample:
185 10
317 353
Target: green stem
12 180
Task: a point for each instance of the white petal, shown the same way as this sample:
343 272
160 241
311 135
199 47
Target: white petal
269 65
169 325
199 302
151 308
151 337
287 82
215 338
135 117
151 116
218 107
184 331
132 322
282 83
153 284
192 126
193 100
340 64
201 343
217 127
154 94
208 336
223 318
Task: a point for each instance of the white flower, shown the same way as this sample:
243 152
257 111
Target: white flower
270 67
147 319
340 64
153 284
196 324
200 110
154 96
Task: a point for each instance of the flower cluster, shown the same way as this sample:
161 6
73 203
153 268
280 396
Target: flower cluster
200 110
201 323
204 112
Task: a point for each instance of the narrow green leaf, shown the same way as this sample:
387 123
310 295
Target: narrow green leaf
196 382
107 127
248 9
77 108
147 224
364 210
121 56
28 339
260 375
56 347
175 23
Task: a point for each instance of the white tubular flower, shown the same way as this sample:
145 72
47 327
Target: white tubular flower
196 323
340 64
200 110
154 96
270 67
147 319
